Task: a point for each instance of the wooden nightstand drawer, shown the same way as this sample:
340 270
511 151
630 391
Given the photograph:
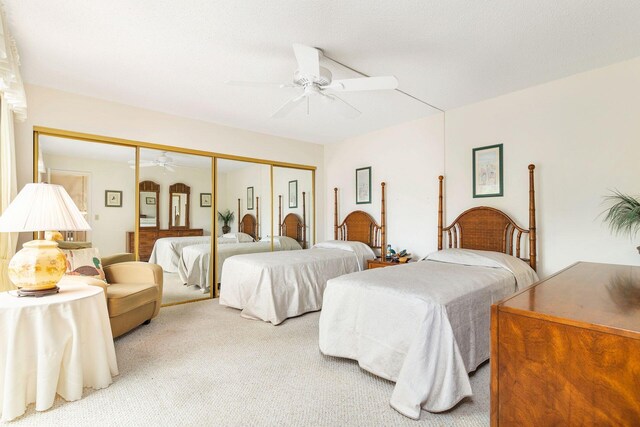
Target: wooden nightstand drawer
378 263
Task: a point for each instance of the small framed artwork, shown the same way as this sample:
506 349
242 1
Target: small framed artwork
205 200
363 185
487 171
150 200
250 198
113 198
293 194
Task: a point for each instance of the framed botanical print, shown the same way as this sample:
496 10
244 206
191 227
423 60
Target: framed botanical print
250 198
113 198
363 185
150 200
487 171
205 200
293 194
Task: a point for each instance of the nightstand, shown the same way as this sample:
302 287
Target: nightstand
379 263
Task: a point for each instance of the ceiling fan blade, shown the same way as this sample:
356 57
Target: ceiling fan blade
146 165
288 106
342 106
258 84
308 59
169 168
363 83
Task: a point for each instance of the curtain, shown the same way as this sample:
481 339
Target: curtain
13 103
7 188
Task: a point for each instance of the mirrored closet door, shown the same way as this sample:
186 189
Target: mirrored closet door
293 206
244 209
175 218
100 178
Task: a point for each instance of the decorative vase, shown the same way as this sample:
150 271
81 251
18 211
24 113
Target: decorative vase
226 229
38 266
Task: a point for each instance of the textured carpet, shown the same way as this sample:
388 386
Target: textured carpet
202 364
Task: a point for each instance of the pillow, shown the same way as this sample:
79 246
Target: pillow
240 237
285 243
223 240
84 262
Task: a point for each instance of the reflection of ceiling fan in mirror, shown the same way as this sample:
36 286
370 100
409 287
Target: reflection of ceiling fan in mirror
162 161
316 81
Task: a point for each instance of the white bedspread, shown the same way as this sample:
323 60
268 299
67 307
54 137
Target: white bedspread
193 267
278 285
166 251
423 325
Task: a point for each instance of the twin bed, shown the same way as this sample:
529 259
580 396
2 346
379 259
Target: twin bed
275 286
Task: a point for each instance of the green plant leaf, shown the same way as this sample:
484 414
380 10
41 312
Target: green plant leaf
624 215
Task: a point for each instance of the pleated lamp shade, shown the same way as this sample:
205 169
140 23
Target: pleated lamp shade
42 207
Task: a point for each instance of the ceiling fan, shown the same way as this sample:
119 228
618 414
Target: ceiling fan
162 161
315 80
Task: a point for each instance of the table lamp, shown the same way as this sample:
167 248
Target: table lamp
39 266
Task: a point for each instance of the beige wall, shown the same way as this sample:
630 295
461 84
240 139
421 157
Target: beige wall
62 110
582 132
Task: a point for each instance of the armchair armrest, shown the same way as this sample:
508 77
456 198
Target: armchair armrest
134 272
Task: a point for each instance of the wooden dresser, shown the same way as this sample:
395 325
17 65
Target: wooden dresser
566 351
149 236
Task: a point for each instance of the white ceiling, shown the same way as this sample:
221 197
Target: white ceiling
173 56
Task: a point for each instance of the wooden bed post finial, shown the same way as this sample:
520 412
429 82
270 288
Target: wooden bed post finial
280 215
335 213
239 216
440 179
304 221
533 257
383 221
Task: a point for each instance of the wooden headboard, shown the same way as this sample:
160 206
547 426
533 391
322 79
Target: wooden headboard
359 226
248 223
489 229
292 225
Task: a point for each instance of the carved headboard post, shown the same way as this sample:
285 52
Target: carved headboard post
383 223
335 214
280 215
533 259
304 222
440 179
257 230
239 216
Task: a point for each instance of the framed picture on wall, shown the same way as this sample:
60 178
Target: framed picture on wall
487 171
363 185
150 200
250 198
113 198
205 200
293 194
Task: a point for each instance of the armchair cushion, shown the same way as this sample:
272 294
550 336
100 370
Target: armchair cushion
124 297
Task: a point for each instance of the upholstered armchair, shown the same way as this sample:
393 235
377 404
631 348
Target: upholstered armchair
133 291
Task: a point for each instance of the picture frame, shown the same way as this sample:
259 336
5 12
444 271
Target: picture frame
249 198
150 200
113 199
363 185
205 200
293 194
488 179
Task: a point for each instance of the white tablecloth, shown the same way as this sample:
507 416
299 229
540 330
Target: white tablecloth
53 344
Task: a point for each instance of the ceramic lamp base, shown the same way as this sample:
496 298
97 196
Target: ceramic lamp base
39 266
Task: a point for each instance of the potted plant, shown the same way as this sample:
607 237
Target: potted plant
624 216
226 217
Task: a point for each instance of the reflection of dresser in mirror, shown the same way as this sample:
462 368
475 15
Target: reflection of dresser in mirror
149 236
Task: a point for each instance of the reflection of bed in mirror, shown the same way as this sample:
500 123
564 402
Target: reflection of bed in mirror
275 286
166 251
292 225
401 322
194 264
248 223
